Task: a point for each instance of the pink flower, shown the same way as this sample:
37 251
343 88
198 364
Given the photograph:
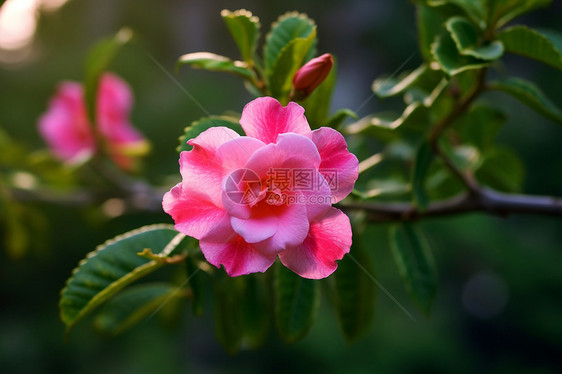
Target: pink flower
249 199
68 132
311 74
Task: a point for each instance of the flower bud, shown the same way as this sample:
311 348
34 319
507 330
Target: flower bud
311 74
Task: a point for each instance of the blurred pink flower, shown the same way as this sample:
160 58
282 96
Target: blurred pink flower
249 199
68 132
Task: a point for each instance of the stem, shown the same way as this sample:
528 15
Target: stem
485 200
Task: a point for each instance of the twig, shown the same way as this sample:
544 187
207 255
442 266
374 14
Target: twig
484 200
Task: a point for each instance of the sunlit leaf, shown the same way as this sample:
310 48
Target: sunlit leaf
529 94
205 123
214 62
415 264
466 37
423 75
133 305
544 46
112 266
296 303
450 60
245 29
338 118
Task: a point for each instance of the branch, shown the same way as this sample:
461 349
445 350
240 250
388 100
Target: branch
483 200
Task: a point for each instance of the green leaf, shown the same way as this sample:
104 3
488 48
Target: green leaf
413 114
112 266
466 35
205 123
318 104
430 22
256 311
245 29
229 321
475 9
529 94
450 60
289 60
195 280
296 303
386 87
502 170
133 305
97 62
481 125
422 160
336 120
288 27
504 11
355 293
544 46
213 62
415 264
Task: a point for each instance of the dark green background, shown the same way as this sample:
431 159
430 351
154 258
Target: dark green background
369 38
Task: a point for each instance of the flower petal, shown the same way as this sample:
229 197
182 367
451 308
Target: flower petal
196 216
255 229
329 240
291 151
265 118
65 126
235 153
339 166
292 229
201 170
237 256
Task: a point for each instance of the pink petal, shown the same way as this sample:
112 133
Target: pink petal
329 240
318 199
339 166
196 216
65 126
237 256
255 229
290 151
235 153
264 118
292 229
201 170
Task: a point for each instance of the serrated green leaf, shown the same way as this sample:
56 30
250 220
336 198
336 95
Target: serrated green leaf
415 264
205 123
289 60
229 319
214 62
131 306
245 29
318 104
355 293
112 266
296 304
466 37
544 46
450 60
501 169
503 11
288 27
97 62
529 94
422 160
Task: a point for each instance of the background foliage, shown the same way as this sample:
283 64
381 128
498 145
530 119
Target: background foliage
496 309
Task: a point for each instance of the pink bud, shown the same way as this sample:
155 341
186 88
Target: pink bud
311 74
